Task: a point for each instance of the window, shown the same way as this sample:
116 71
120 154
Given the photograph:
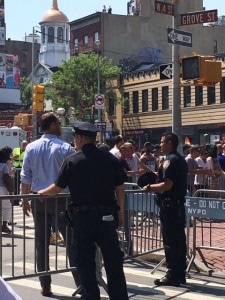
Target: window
95 38
24 52
165 97
144 100
126 103
37 55
135 102
24 72
155 99
85 40
67 35
43 34
111 105
60 35
198 95
50 35
222 90
75 46
187 96
211 95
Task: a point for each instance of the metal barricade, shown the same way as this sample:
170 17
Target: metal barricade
18 248
141 232
140 235
205 212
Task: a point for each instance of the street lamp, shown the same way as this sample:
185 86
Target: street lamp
97 44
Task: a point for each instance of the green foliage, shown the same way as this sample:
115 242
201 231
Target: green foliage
25 93
76 81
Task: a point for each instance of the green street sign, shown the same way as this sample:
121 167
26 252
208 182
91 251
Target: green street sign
90 117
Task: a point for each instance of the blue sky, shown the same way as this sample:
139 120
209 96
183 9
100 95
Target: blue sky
22 15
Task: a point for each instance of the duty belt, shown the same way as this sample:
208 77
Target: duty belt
103 209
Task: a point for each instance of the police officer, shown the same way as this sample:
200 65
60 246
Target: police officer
170 192
95 179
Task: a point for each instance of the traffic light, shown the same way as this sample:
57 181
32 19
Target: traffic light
38 97
204 70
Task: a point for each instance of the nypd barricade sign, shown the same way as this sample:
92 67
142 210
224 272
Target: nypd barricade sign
212 208
99 101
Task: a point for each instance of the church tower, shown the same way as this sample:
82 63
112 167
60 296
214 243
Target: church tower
54 37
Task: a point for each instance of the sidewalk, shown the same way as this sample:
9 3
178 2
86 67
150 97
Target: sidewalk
208 234
211 234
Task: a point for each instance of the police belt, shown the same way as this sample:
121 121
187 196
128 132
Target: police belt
101 209
169 202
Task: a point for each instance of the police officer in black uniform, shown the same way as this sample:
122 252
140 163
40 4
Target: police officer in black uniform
170 196
95 179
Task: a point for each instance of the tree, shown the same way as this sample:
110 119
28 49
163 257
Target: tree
76 82
25 93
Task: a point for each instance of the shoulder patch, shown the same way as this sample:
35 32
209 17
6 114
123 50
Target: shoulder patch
166 163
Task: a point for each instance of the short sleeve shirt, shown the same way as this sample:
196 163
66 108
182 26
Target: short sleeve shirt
175 168
91 175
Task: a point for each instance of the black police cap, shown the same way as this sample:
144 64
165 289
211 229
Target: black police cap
85 128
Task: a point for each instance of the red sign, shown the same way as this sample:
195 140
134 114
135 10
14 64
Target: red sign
164 8
199 17
99 101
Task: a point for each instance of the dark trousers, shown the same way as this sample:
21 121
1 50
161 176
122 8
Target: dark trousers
174 240
44 213
88 230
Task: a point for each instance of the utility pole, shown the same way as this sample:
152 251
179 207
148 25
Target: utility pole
34 117
97 44
176 93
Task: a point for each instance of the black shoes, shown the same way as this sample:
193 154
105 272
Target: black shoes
182 280
46 291
166 281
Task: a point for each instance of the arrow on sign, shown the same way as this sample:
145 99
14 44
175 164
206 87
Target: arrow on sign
179 37
166 71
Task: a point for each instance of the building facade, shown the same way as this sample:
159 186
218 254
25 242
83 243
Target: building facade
147 109
138 43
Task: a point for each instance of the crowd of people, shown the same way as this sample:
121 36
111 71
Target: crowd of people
95 175
206 166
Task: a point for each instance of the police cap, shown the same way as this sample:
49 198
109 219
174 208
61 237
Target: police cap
85 128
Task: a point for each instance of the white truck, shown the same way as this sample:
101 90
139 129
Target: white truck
12 137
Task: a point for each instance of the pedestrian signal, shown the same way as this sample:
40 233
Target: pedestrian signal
204 70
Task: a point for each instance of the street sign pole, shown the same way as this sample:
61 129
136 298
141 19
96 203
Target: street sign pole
176 93
99 110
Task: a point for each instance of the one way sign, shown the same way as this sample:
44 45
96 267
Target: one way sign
165 71
179 37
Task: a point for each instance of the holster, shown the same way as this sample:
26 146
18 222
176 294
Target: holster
164 201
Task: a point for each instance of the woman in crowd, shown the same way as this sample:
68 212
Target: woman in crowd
6 188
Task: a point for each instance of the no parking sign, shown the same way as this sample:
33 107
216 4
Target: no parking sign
99 101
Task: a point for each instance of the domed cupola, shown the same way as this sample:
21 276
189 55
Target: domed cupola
54 37
54 14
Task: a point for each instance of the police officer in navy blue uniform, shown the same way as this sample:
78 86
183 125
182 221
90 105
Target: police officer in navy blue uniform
170 193
95 179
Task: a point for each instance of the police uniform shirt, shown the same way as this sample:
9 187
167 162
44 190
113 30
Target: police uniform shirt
92 175
174 167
